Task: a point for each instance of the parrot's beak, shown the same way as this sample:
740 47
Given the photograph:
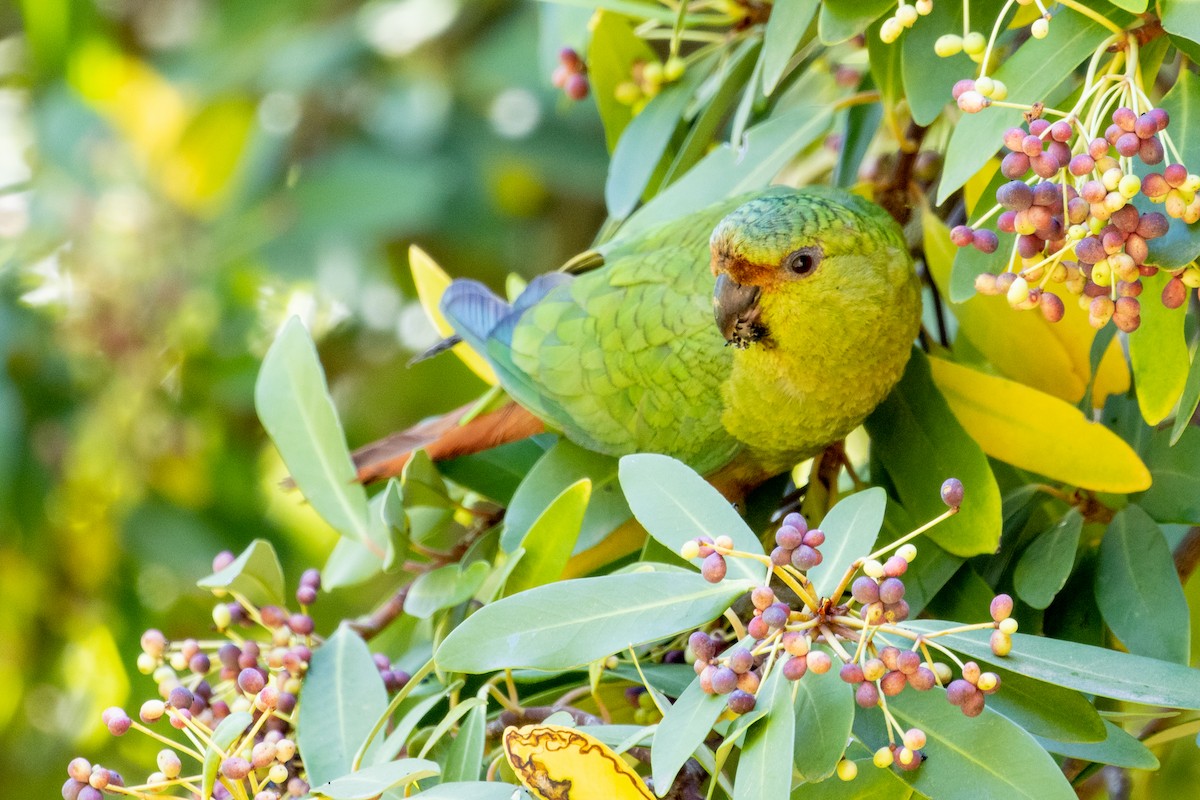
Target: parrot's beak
736 310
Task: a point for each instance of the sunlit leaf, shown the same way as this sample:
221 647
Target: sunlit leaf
342 698
842 19
824 715
546 756
768 743
676 505
255 574
1118 748
573 622
1046 564
225 734
444 587
550 539
682 730
613 51
850 529
786 27
372 781
1037 432
1159 355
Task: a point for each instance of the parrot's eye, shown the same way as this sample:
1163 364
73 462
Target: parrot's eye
803 261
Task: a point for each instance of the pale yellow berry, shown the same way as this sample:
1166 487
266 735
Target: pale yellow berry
999 91
908 552
873 569
1040 28
948 45
278 773
985 86
883 757
1129 185
1018 292
673 69
890 30
924 7
907 15
847 770
690 549
974 43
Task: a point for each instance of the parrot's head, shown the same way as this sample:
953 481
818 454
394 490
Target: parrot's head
786 254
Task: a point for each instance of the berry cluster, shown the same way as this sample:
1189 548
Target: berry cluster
904 18
1074 221
646 80
249 679
801 632
571 74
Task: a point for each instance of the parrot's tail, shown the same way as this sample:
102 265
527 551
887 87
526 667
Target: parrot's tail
443 438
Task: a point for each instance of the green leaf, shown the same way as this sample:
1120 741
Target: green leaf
374 781
1181 18
1174 496
444 587
987 756
255 575
871 783
1073 38
614 49
465 759
675 505
1118 748
850 527
1138 590
426 499
730 170
562 465
768 744
226 733
1045 709
495 472
1159 355
1181 244
920 444
862 123
885 64
645 140
342 698
1132 6
550 540
1088 669
842 19
295 408
349 564
1188 401
472 790
413 708
1046 564
573 622
786 27
682 731
824 711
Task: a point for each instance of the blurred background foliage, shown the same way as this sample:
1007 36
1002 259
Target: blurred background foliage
177 177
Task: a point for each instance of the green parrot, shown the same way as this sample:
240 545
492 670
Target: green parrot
754 332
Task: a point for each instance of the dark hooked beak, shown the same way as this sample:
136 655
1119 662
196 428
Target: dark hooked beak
735 308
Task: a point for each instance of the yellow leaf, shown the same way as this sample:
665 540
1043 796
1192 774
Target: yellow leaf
555 762
1052 357
1034 431
977 184
199 172
431 281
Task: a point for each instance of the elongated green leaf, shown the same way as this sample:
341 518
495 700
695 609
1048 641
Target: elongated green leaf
824 710
920 443
675 505
373 781
550 540
342 698
389 523
1181 18
569 623
1045 709
862 123
1138 591
349 564
426 500
255 574
842 19
683 730
644 142
471 790
1132 6
850 527
1088 669
412 711
872 783
613 51
496 472
1174 496
444 587
465 759
1046 564
1118 748
987 756
1189 400
730 170
1159 355
885 63
294 405
226 733
768 744
1073 38
785 30
564 464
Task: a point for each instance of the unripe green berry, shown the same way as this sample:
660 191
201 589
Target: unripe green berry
883 757
948 45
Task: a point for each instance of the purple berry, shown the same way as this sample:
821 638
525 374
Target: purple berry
865 590
724 680
776 616
805 557
741 702
814 538
985 240
789 537
952 492
714 568
702 645
891 590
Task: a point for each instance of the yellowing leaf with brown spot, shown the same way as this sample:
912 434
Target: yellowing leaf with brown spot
560 763
1054 357
431 282
1034 431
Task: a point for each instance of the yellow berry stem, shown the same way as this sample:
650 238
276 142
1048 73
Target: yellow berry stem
413 682
920 642
945 515
831 640
638 666
169 742
1094 16
800 590
739 629
966 18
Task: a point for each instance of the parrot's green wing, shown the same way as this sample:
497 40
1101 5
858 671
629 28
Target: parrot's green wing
623 358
